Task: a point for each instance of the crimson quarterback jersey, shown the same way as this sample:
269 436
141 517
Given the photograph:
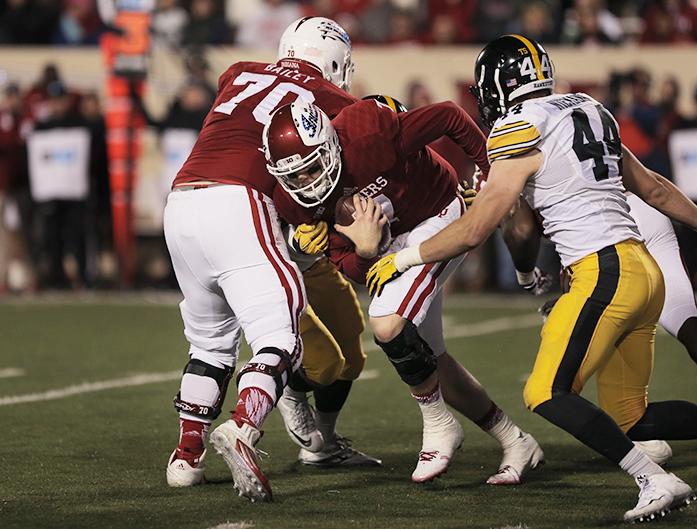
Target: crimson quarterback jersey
385 157
228 147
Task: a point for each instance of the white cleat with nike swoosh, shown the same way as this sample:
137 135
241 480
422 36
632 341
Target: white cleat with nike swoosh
300 424
658 495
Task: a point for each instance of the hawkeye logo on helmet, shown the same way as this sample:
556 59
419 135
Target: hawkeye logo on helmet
332 31
310 121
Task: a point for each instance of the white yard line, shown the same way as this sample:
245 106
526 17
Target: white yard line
92 387
12 372
457 300
455 331
234 525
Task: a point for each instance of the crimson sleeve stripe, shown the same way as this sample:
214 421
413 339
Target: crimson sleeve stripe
412 290
256 218
284 262
426 292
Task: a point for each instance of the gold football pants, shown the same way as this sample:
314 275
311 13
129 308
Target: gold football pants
331 326
606 323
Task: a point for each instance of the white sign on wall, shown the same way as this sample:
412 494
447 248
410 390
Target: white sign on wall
683 156
59 164
176 146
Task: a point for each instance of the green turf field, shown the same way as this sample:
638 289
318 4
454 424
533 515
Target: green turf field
96 459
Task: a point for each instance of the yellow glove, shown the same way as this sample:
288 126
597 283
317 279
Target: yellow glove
311 239
468 194
381 273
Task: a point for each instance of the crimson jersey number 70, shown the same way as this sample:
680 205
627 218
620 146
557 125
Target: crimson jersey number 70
258 82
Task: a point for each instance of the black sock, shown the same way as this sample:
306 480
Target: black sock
298 382
331 398
687 334
587 423
671 419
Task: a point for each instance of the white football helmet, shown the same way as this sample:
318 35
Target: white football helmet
324 44
303 152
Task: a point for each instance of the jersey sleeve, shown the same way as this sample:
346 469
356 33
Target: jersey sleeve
367 132
423 125
518 132
342 255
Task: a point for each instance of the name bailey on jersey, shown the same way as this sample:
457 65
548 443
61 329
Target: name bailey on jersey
289 70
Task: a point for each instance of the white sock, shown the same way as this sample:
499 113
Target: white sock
293 394
433 408
326 424
636 463
505 431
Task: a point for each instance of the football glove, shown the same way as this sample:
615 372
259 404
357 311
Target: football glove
311 239
381 273
545 309
537 282
468 194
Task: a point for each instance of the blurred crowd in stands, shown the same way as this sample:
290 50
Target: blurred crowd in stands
259 23
61 237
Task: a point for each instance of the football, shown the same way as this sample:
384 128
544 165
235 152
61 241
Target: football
344 211
344 216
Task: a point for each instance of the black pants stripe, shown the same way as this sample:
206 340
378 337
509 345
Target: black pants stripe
595 305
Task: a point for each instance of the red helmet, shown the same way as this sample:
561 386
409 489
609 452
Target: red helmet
300 142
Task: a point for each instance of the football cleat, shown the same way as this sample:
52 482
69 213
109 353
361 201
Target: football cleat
658 451
180 473
299 420
235 442
658 494
523 455
338 453
439 444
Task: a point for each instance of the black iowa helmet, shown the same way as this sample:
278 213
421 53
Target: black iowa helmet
507 68
389 101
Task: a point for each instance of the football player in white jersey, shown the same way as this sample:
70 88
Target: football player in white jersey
679 314
564 153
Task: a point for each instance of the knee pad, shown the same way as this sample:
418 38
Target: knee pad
269 370
410 355
221 376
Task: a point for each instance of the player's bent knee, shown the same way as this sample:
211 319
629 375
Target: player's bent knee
355 362
535 394
410 355
327 374
202 390
387 328
269 370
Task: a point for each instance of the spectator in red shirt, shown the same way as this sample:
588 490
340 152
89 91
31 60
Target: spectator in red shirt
452 21
669 21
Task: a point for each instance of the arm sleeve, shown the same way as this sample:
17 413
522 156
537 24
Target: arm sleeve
349 263
424 125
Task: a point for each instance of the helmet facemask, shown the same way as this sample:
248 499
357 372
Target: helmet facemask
324 162
491 105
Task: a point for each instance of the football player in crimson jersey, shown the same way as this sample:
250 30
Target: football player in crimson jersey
230 256
370 151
